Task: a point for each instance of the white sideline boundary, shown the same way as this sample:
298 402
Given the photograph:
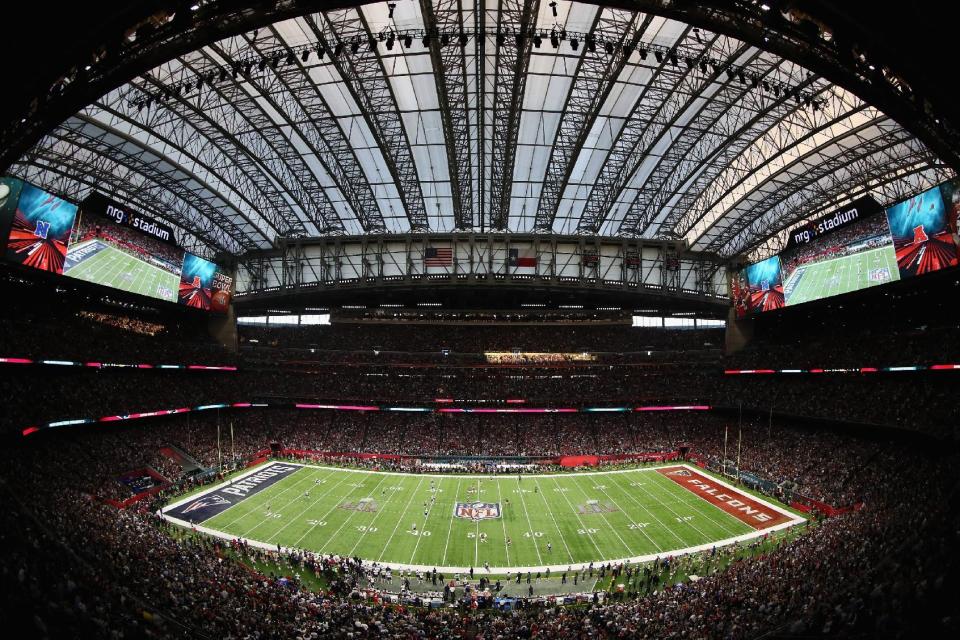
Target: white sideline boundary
794 520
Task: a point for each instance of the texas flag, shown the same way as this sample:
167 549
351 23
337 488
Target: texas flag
522 258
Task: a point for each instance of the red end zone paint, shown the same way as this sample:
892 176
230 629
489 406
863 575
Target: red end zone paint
739 505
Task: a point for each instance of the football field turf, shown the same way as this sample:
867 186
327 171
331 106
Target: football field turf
100 263
841 275
455 522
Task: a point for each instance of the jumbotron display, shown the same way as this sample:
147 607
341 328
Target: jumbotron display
107 244
854 248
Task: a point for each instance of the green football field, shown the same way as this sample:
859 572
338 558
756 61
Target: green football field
410 520
841 275
111 267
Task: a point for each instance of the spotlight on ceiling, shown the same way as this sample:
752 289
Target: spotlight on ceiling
537 40
553 7
574 44
305 55
554 40
391 6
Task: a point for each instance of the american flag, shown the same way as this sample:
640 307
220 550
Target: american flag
438 257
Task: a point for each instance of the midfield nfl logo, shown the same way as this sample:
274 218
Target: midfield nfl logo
477 510
595 506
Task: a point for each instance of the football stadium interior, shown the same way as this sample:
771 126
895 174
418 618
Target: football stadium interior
479 319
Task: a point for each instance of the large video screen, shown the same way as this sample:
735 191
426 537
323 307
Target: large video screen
40 230
759 287
106 243
104 252
9 196
203 285
854 257
846 251
921 234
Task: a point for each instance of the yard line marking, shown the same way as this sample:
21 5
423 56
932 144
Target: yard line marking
349 516
555 524
690 522
652 514
579 519
425 518
632 521
606 521
530 524
254 502
450 528
405 509
360 538
503 522
291 520
476 537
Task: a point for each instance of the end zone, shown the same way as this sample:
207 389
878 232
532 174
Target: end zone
754 512
200 508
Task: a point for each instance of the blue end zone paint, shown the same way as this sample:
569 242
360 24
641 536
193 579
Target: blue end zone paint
793 282
216 502
76 256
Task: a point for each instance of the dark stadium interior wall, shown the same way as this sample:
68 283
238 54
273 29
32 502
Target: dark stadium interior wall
894 308
223 329
738 334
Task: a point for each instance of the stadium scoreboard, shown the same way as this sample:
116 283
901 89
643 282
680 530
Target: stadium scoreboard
107 243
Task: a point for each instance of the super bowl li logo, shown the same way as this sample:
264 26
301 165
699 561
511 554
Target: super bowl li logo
477 510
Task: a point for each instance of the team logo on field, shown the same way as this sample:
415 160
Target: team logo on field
477 510
595 506
364 505
679 472
206 501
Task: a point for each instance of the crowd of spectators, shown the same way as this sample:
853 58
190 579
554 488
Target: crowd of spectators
801 459
477 339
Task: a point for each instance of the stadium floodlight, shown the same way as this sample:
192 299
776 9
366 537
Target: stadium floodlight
554 40
658 56
574 44
390 7
553 7
305 55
